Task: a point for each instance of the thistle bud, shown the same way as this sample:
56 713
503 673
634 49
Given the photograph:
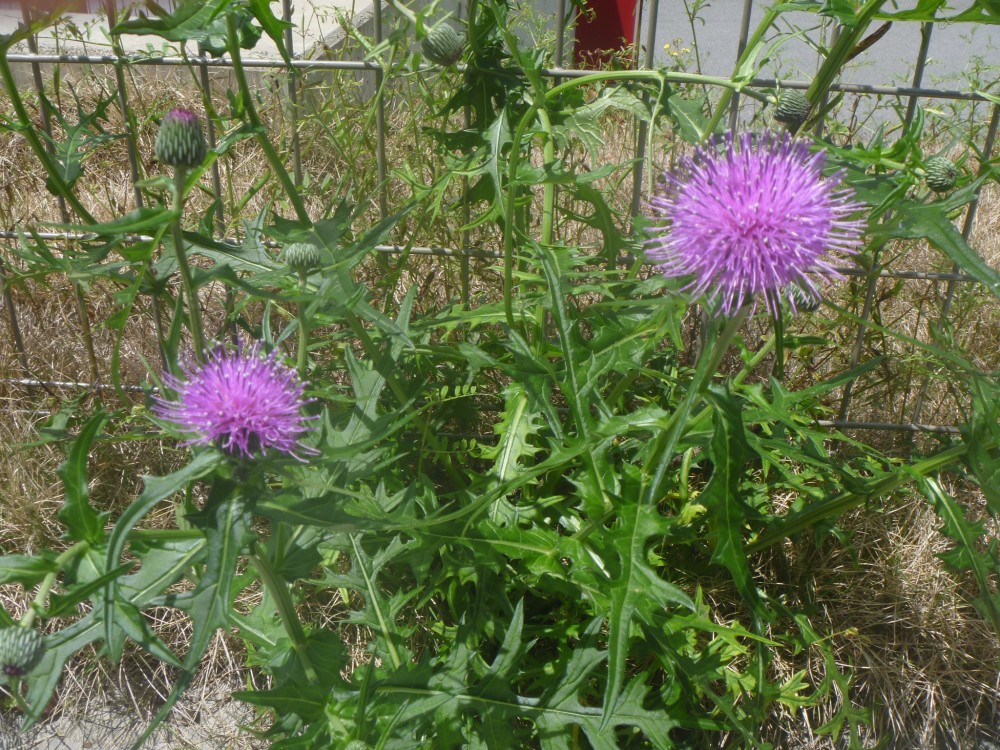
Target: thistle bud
20 650
940 174
803 301
792 108
180 142
301 257
443 45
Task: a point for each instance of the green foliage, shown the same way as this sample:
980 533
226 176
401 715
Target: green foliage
520 499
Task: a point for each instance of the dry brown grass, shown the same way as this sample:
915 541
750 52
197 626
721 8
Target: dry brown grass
923 658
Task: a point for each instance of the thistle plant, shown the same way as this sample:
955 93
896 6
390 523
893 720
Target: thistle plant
543 514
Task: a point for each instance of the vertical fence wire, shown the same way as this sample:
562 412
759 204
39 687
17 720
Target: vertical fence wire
918 71
642 130
465 261
741 45
219 214
111 12
380 165
15 327
131 135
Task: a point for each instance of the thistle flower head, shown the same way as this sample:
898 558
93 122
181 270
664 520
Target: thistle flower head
179 141
757 216
240 401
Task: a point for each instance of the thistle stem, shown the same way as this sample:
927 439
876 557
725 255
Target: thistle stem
663 451
708 364
194 308
300 363
778 317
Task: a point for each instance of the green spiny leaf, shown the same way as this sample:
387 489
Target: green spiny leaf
83 523
726 510
966 554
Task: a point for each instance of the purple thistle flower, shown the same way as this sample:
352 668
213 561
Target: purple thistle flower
756 217
239 401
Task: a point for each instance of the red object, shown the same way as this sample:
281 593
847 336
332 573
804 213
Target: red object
603 27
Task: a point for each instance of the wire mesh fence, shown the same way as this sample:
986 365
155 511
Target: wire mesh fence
301 62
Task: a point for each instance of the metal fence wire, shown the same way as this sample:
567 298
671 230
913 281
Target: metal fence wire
203 64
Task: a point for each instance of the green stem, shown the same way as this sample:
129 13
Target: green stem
549 188
42 595
260 133
405 12
663 451
841 51
187 280
707 366
836 506
303 328
286 611
778 317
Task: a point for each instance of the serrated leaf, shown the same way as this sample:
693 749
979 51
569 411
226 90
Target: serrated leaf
636 590
83 523
918 221
584 117
155 490
688 116
982 436
227 525
305 701
164 562
518 423
966 554
26 569
82 136
727 513
190 21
